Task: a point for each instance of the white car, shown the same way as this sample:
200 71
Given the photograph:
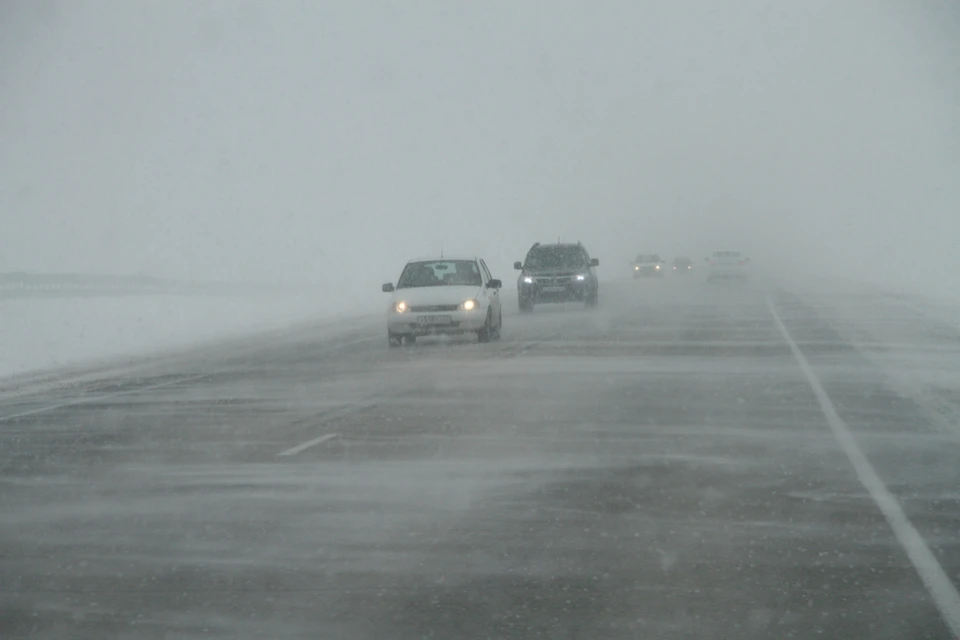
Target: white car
444 296
727 265
646 265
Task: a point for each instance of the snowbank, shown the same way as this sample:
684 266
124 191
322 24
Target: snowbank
47 333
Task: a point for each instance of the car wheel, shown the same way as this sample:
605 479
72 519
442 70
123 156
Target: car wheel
593 299
484 334
526 306
496 333
394 340
411 339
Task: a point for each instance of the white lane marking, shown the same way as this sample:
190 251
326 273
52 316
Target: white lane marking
306 445
941 589
106 396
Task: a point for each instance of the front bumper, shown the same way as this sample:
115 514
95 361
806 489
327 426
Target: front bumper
719 273
409 323
647 272
550 291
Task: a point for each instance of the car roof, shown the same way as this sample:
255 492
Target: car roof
445 258
540 245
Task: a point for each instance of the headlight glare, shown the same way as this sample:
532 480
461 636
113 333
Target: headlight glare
469 305
400 307
581 278
528 279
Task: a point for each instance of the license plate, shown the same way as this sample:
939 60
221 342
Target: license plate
428 320
553 289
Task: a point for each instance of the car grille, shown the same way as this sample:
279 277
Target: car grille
435 307
553 281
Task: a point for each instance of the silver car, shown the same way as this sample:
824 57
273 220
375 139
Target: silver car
727 265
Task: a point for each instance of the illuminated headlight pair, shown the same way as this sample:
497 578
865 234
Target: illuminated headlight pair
401 307
581 278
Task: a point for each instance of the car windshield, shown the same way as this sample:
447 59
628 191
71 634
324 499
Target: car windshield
440 273
726 254
648 258
681 261
555 257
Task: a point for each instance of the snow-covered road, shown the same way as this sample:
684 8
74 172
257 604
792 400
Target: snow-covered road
688 461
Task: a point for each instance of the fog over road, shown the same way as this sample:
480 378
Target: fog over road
666 466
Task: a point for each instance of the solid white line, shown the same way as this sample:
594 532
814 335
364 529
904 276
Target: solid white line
106 396
306 445
941 589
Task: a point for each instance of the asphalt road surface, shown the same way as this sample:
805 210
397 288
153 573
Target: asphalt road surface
688 461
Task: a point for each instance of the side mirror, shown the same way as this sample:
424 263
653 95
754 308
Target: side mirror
594 262
494 284
387 288
518 266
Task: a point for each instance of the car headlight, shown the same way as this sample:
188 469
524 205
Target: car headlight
528 280
636 268
581 278
689 267
401 307
469 305
657 267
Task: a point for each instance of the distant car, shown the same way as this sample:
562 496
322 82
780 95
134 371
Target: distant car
648 265
444 296
557 273
727 265
682 266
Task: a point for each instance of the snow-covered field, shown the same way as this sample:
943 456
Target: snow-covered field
48 333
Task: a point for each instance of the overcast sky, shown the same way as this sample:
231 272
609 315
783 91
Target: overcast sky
329 141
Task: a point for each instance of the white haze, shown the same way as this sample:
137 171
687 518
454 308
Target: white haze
327 142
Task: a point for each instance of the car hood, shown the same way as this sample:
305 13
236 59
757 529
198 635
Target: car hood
436 295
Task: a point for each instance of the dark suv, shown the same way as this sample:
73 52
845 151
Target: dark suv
557 273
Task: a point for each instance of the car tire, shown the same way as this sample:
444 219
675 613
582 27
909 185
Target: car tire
483 335
496 334
526 306
394 341
593 300
410 339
